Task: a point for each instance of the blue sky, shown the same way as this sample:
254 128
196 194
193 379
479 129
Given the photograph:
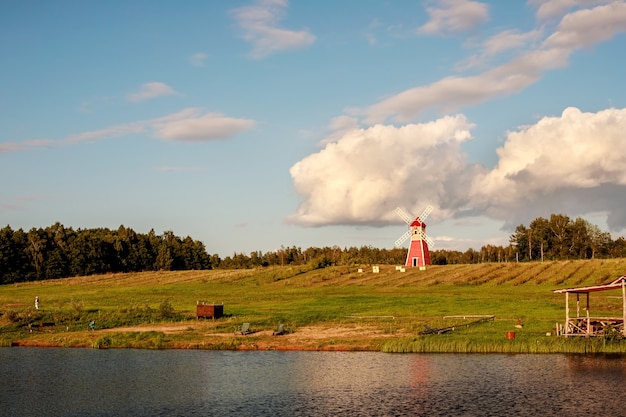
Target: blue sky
251 125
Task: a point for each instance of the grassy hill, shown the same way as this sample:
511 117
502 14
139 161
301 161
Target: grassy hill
333 308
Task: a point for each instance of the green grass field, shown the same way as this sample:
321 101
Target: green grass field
391 307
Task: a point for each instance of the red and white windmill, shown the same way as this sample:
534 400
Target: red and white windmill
418 254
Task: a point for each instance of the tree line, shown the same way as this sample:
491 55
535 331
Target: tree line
559 238
563 238
57 251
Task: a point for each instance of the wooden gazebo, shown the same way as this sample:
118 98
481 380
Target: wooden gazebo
587 325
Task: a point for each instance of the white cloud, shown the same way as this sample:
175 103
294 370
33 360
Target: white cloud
509 39
567 164
364 175
452 93
588 27
187 125
259 23
506 41
201 128
338 127
547 9
107 133
149 91
11 147
198 59
343 123
452 16
552 8
579 29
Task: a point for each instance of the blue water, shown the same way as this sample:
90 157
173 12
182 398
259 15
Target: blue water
86 382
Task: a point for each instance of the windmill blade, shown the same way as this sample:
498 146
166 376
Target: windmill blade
425 237
402 238
404 215
425 213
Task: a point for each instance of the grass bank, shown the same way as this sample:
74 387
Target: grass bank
336 308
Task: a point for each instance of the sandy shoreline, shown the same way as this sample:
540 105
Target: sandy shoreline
202 335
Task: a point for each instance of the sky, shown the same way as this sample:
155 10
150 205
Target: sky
260 124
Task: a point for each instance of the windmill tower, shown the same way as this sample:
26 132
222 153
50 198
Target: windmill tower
418 254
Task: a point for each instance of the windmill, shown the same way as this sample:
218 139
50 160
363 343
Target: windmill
418 254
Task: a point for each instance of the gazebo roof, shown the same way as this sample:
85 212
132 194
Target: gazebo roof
610 286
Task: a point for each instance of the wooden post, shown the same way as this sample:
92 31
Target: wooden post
588 319
624 307
566 313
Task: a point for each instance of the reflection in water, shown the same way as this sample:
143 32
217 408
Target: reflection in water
85 382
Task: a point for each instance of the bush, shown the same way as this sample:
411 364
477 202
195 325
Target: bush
166 311
12 316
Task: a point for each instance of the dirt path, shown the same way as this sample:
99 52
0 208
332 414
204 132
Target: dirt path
356 337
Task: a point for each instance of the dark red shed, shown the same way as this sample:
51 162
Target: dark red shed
209 311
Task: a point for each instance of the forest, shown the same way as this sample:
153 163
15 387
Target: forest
58 251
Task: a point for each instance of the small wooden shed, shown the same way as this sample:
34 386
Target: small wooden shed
585 324
209 311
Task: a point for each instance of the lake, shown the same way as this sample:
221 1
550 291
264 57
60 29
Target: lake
89 382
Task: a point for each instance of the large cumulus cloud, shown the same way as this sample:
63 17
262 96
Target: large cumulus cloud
361 177
573 163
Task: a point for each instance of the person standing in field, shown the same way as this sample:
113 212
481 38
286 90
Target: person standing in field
37 303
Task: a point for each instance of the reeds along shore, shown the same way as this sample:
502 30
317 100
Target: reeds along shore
385 311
